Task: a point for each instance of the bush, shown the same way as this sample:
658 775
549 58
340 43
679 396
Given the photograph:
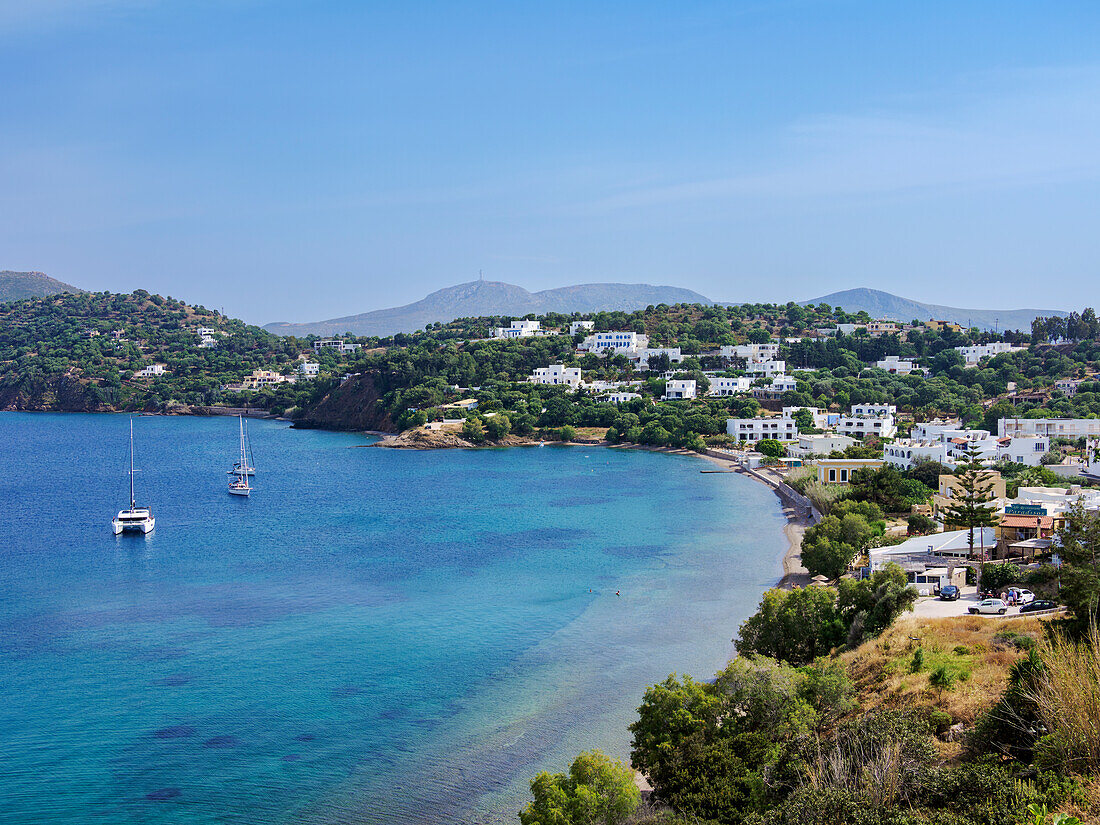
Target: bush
998 575
596 789
917 665
921 525
472 431
770 447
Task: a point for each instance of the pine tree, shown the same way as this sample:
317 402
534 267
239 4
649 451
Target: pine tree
973 497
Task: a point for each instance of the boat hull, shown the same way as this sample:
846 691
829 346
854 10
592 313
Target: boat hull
145 526
239 491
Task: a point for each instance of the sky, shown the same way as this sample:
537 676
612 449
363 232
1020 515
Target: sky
295 161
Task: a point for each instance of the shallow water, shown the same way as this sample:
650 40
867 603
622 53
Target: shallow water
374 636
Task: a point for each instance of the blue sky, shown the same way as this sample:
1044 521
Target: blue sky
304 160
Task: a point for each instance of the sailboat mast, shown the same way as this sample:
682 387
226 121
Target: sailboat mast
133 504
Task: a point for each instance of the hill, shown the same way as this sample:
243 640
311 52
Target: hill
880 304
489 298
15 286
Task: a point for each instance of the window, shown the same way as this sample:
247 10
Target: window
832 475
843 475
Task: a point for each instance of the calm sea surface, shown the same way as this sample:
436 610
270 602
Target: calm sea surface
374 636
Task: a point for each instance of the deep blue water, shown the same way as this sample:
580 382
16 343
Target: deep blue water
375 636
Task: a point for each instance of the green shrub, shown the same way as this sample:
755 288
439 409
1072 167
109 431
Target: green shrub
917 664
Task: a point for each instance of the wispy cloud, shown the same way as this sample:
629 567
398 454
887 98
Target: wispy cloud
1041 126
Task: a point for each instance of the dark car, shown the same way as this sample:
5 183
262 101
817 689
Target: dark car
1038 604
949 593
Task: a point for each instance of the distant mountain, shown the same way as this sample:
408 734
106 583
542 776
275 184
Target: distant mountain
481 298
14 286
879 304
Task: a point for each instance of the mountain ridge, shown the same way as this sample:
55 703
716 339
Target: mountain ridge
15 286
487 298
887 306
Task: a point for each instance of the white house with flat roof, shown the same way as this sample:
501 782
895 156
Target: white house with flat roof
896 365
642 356
151 371
783 383
621 397
781 428
577 327
335 344
1050 427
871 419
821 444
973 355
765 369
309 369
557 374
721 385
751 353
617 341
519 329
679 388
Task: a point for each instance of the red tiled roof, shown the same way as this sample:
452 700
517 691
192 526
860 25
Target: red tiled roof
1027 521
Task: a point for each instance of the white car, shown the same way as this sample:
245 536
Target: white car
990 606
1025 596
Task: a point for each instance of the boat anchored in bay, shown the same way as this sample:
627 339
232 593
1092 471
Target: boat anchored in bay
238 485
136 519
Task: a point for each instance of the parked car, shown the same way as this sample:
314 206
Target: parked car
990 606
949 593
1024 596
1038 604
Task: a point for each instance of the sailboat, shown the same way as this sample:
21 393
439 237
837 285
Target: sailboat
238 485
245 466
136 519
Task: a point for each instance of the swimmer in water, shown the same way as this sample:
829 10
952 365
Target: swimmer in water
616 592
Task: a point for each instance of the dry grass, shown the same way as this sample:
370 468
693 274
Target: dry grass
1068 697
965 647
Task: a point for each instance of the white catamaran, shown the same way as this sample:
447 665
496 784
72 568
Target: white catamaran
136 519
238 485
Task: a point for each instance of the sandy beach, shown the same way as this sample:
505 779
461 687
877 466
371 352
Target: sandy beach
794 574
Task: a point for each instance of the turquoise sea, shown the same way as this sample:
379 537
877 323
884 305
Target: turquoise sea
375 636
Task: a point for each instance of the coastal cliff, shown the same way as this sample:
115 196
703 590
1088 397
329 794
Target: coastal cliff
356 404
55 393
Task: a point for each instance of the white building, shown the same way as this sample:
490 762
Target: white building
622 397
933 429
869 419
335 344
1023 449
751 353
679 388
557 374
642 356
151 371
1050 427
577 327
615 340
949 446
203 332
972 356
265 378
1068 386
309 369
905 452
782 428
874 409
723 386
898 366
819 444
519 329
783 383
765 369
